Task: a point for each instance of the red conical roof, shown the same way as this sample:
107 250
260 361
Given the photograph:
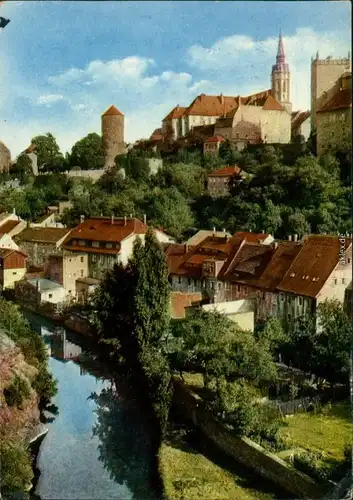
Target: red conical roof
112 111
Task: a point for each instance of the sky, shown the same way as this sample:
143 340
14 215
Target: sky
63 63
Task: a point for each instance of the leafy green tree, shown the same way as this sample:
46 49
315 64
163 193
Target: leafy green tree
47 151
297 224
228 153
271 217
136 167
88 153
112 181
188 179
168 209
334 342
151 303
23 169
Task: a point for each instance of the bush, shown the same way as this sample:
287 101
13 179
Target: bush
45 385
311 464
17 392
16 468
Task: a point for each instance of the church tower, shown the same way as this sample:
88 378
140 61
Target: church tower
280 78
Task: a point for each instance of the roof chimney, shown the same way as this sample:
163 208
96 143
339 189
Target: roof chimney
125 220
82 219
130 216
112 219
263 231
144 219
295 237
290 237
224 230
186 248
14 211
275 244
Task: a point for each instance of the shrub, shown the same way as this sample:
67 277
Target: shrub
16 469
17 392
44 384
311 464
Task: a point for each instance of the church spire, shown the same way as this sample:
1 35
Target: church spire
280 77
280 52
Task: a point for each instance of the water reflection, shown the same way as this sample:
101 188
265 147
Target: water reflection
123 447
97 446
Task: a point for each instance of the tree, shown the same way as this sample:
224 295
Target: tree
334 342
168 209
48 152
16 469
227 153
23 169
88 153
136 167
218 347
152 301
271 217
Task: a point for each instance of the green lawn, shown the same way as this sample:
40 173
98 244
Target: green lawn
328 432
189 475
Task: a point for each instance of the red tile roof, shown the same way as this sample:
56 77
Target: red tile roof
313 265
281 261
249 263
42 234
251 237
211 248
106 230
6 252
216 138
225 172
272 105
341 100
176 112
211 105
9 226
174 254
111 111
179 301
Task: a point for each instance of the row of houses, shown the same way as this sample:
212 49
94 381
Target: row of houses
247 276
251 277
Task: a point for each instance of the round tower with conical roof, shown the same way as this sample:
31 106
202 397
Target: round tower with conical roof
280 78
113 135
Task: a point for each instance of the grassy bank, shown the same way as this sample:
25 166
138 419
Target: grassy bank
192 468
328 432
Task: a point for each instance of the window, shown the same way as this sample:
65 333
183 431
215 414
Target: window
300 301
14 273
282 297
238 288
349 260
81 259
95 244
179 279
82 243
81 273
50 295
189 282
94 258
219 286
335 281
343 281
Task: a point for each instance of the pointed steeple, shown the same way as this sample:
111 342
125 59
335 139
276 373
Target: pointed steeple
280 51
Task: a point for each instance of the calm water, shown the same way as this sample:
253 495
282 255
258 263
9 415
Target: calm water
97 447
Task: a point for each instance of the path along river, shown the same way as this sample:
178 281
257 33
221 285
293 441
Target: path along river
98 446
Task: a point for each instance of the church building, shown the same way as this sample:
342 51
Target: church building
258 118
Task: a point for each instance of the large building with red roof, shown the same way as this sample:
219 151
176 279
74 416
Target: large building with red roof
260 117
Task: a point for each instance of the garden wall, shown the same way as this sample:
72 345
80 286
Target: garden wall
244 450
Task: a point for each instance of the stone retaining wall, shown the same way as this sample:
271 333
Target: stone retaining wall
244 450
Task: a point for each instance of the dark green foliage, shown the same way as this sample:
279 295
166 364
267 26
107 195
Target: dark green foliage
324 351
136 166
17 392
16 468
132 314
88 153
22 170
32 346
48 153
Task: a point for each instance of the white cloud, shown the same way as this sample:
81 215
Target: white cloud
49 99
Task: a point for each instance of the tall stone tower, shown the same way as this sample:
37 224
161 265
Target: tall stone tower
325 76
280 78
113 135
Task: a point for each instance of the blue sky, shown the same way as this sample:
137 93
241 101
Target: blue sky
64 63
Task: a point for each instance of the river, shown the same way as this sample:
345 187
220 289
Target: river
98 445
